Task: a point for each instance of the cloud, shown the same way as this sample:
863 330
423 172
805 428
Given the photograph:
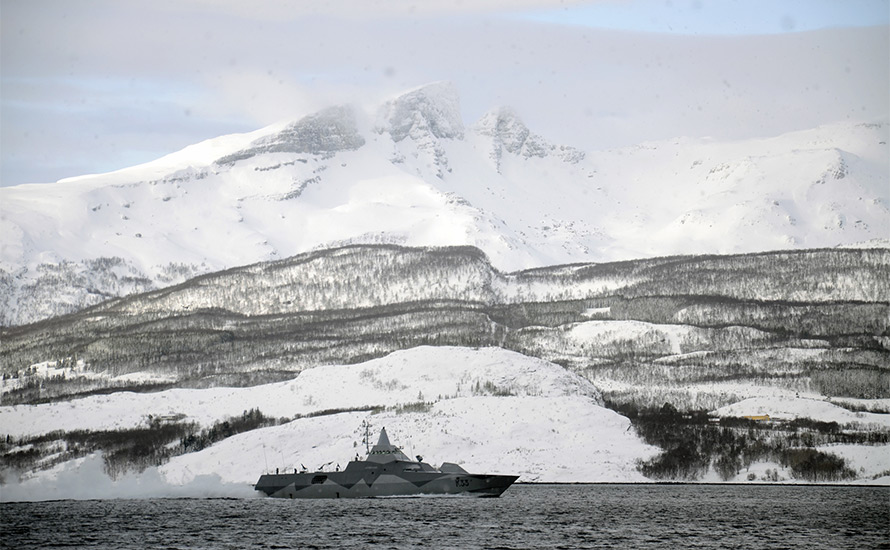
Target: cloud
262 96
364 9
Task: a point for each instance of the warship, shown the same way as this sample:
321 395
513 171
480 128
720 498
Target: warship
386 472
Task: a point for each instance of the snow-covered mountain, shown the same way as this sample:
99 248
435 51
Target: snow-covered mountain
412 173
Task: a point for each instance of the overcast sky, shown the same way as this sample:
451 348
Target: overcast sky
96 85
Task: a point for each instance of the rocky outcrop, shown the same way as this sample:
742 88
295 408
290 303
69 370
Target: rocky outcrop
509 134
328 131
429 111
417 122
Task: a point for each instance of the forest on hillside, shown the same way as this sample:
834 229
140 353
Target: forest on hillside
805 320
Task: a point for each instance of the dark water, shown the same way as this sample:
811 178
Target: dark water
548 516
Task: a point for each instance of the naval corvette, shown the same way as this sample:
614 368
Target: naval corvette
386 472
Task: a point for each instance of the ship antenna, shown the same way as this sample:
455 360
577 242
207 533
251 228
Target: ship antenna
367 437
264 457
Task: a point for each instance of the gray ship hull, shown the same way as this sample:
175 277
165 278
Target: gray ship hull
347 484
387 472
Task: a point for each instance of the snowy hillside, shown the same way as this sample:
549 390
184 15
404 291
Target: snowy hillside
413 173
489 409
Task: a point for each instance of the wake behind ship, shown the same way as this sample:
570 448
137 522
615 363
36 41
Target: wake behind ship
385 472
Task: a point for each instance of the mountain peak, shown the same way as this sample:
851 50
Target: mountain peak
509 133
433 109
505 127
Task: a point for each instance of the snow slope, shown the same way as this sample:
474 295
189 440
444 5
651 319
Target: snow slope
489 409
413 174
541 439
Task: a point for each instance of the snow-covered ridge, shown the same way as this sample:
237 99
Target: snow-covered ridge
423 374
413 173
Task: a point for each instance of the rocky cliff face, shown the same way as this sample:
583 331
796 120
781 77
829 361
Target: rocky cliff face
418 122
329 131
430 111
509 134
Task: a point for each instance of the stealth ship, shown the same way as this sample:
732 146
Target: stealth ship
386 472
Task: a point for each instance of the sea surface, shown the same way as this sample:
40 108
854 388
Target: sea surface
526 516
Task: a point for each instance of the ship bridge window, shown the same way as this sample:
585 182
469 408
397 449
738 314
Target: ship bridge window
319 479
